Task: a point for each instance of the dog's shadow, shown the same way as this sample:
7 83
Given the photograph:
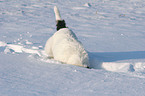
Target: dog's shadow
97 58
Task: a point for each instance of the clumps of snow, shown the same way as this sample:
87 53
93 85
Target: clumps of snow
118 67
16 48
139 66
7 50
124 67
28 42
83 7
49 60
40 47
2 44
31 51
34 52
13 48
87 5
33 47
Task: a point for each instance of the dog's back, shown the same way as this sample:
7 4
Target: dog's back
64 45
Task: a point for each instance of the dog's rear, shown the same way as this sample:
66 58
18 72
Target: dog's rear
64 45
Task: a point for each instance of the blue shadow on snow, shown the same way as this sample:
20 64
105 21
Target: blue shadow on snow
97 58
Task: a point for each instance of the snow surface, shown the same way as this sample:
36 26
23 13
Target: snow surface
112 31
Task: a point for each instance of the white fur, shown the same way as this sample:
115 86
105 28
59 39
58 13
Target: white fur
65 47
57 13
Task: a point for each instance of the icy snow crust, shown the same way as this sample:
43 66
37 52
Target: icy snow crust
113 32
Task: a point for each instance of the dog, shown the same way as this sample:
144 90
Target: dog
64 46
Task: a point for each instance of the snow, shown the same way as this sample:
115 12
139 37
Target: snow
113 32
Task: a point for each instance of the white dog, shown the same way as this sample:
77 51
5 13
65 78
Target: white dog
64 45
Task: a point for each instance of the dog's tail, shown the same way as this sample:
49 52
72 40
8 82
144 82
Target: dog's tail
57 14
60 23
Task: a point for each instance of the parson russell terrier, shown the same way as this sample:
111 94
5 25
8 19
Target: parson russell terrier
64 45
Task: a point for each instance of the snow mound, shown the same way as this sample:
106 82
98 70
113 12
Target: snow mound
96 62
118 67
87 5
34 52
2 44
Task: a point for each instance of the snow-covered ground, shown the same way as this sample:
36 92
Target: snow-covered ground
112 31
